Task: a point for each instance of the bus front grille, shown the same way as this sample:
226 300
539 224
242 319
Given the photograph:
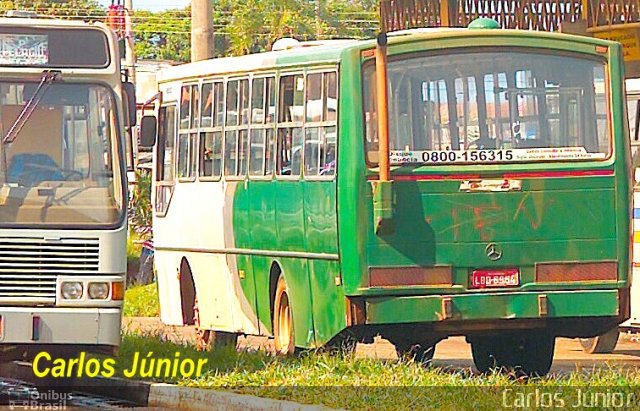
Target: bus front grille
29 267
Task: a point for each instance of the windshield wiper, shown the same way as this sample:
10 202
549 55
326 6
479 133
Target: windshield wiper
48 77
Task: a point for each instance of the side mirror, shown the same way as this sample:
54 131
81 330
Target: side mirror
129 103
148 131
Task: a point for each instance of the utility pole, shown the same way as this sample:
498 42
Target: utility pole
201 30
130 54
318 20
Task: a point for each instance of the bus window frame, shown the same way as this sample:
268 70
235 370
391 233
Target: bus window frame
213 128
264 126
322 124
289 125
237 128
609 159
189 131
162 184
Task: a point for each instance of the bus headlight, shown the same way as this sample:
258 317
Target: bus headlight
98 291
71 290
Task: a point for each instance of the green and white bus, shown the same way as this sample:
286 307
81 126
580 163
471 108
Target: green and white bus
506 220
63 225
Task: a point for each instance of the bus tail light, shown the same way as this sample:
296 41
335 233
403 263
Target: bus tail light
570 272
410 276
117 291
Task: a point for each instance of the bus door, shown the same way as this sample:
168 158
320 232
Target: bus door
290 223
262 196
320 148
236 218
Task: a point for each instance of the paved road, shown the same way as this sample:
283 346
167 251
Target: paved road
453 352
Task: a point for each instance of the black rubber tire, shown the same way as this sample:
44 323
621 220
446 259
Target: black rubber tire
602 344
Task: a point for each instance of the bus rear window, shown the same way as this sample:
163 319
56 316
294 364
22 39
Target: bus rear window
491 106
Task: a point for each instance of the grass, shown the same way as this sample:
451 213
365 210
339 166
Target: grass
343 381
142 301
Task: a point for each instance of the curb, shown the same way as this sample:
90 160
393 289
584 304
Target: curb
197 399
157 394
136 392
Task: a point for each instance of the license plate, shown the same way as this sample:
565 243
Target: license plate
495 278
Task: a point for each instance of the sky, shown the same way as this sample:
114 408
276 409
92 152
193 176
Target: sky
153 5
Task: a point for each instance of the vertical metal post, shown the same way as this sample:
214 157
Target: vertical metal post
318 20
445 18
130 54
585 11
201 30
382 104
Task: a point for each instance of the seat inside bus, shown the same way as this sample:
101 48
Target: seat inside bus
36 153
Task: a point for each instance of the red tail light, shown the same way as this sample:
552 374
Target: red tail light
571 272
410 276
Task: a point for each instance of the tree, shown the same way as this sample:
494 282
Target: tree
85 9
253 25
164 35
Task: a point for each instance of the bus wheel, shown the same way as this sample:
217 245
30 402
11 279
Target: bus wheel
283 320
530 354
206 340
602 344
421 353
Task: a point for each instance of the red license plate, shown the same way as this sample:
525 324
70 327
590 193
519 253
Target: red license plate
495 278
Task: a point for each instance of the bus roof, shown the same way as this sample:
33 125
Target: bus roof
324 52
330 51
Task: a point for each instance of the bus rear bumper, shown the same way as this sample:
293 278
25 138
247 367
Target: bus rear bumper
459 314
22 326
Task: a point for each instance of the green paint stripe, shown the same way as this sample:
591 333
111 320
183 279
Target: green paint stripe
248 251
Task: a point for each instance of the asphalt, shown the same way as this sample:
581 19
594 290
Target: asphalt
451 353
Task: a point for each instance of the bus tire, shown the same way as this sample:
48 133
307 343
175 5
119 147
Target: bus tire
601 344
421 353
530 354
206 340
283 331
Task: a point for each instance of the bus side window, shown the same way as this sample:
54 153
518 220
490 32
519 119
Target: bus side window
320 127
290 134
231 135
207 105
185 107
270 121
243 135
166 142
258 133
187 138
210 150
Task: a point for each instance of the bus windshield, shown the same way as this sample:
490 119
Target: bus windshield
487 106
60 167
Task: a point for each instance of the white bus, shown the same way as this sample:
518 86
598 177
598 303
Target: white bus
606 343
63 223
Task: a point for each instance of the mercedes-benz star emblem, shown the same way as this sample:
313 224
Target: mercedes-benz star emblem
494 251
